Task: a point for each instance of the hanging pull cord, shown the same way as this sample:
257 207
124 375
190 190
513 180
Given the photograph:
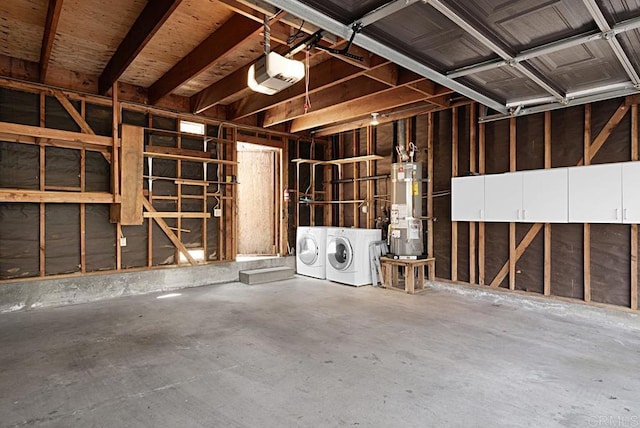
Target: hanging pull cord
307 100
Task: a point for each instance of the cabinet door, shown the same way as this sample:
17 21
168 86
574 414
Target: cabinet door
467 198
503 197
545 196
631 192
595 194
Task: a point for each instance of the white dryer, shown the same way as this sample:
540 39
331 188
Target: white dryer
310 251
348 255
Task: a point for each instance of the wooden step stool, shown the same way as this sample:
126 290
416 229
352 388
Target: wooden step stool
391 273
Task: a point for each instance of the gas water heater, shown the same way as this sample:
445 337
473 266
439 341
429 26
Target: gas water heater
405 228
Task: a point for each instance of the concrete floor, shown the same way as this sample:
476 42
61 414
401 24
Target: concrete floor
313 353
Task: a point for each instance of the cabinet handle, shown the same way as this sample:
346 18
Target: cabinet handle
524 214
617 213
624 214
481 213
518 214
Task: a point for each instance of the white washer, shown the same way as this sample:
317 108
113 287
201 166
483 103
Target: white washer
311 242
348 255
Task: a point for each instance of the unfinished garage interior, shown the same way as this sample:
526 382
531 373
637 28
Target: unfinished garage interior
469 169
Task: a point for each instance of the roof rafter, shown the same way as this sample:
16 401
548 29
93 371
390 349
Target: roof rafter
231 34
152 17
51 25
383 100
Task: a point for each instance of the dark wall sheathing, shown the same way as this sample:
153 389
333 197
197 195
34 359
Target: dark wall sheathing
19 107
464 156
134 255
567 244
97 173
62 167
348 172
62 238
442 204
530 155
610 243
100 238
496 234
19 240
100 119
19 166
57 117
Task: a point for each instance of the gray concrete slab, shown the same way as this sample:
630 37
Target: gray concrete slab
312 353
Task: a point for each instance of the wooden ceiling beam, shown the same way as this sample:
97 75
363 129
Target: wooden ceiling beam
323 75
383 100
347 91
50 29
152 17
231 34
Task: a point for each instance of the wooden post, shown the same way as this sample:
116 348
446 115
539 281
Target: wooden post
370 203
454 173
115 168
42 218
547 226
587 227
472 168
83 207
512 225
356 173
340 186
179 200
634 227
481 225
328 187
430 185
150 199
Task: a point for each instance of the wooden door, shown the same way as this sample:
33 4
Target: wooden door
256 200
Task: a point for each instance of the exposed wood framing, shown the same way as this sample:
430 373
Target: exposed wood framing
165 228
615 119
42 183
430 171
547 226
472 168
587 228
152 17
481 225
83 207
512 225
600 139
37 196
75 115
231 34
634 227
49 35
389 99
55 135
355 168
454 173
370 168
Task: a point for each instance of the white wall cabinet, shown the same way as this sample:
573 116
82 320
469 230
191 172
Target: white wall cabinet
608 193
503 197
545 196
595 194
631 192
467 198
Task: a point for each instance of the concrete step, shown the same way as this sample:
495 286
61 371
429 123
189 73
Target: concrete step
260 276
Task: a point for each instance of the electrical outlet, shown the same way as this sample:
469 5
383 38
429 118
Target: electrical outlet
123 241
217 212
